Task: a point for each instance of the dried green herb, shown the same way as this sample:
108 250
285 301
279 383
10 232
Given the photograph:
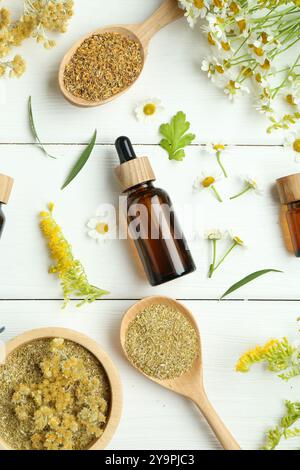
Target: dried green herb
34 131
248 279
81 161
161 342
176 137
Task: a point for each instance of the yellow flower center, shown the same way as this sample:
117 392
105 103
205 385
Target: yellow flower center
225 46
219 147
247 72
238 241
199 3
264 37
242 25
149 109
290 99
102 228
208 181
211 40
266 65
219 69
234 7
258 51
296 145
218 3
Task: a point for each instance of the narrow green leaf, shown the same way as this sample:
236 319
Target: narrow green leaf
2 329
81 161
248 279
33 129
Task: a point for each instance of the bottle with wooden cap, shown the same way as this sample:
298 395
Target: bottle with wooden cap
6 184
289 193
152 222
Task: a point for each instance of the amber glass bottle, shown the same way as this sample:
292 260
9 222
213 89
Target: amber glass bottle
289 193
152 222
6 184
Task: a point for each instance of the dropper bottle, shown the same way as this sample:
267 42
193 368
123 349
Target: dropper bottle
6 184
152 222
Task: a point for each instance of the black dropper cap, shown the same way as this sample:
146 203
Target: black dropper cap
125 149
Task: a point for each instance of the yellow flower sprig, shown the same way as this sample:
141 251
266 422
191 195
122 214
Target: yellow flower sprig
279 355
284 430
39 17
68 269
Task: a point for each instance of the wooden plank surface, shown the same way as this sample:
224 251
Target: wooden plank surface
153 418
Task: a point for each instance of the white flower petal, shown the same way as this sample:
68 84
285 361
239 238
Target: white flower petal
92 223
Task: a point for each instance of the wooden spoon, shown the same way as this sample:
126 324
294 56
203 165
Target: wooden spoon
142 33
190 384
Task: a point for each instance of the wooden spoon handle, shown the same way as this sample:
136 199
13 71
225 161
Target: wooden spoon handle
168 12
222 433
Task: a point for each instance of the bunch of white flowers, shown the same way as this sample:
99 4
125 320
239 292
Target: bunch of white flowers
246 37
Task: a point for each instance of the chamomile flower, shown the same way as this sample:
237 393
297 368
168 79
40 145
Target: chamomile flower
195 9
292 93
237 240
215 70
260 80
213 148
234 89
292 142
208 181
218 150
263 104
101 228
214 234
250 184
257 50
241 26
148 110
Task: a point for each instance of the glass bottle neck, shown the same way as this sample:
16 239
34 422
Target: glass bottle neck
140 187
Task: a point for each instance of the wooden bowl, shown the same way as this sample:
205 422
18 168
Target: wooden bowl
91 346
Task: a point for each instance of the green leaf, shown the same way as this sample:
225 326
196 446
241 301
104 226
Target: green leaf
175 137
33 129
81 161
248 279
2 329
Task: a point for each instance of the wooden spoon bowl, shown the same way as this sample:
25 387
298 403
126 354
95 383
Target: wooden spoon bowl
103 358
190 384
141 33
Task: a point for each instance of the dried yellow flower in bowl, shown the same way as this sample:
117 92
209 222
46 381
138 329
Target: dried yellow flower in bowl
58 391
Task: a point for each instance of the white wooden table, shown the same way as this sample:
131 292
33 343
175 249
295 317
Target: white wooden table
30 298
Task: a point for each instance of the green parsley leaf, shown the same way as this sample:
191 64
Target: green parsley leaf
176 137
